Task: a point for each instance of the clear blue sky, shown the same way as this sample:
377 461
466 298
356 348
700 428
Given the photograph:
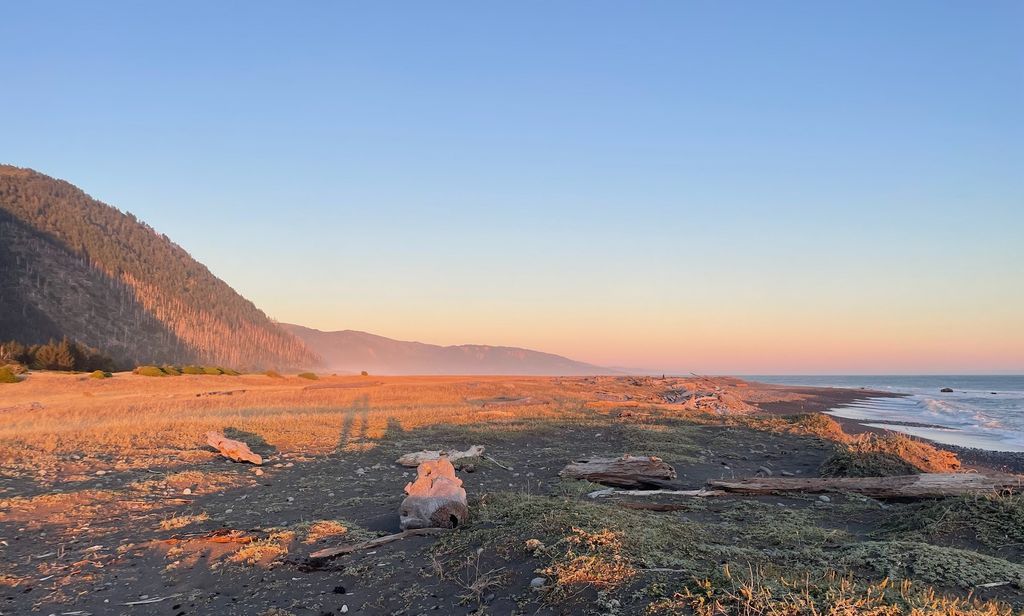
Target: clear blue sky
716 186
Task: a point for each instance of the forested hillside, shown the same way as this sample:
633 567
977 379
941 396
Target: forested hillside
73 266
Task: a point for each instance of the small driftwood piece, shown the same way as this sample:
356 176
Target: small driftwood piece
436 499
415 459
625 472
927 485
328 553
232 449
613 492
153 600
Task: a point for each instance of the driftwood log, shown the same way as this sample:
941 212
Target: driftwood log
328 553
232 449
700 493
436 499
928 485
415 459
625 472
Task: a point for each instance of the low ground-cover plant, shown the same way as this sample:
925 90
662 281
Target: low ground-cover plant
994 521
884 455
308 375
169 370
149 371
7 375
100 374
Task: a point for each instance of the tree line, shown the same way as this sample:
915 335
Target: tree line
67 355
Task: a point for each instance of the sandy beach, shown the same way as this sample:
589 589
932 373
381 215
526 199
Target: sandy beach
109 496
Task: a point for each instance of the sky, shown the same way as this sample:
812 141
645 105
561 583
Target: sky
717 187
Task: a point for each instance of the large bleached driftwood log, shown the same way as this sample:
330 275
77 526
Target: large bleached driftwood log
927 485
414 459
701 493
625 472
232 449
436 499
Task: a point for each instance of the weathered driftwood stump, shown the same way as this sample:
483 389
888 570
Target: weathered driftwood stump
625 472
927 485
436 499
232 449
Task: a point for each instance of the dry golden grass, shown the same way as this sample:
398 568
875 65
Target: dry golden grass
593 559
65 426
325 529
264 552
835 595
51 417
181 521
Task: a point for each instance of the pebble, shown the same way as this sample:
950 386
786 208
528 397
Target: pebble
187 491
258 472
824 499
537 582
344 609
786 473
101 473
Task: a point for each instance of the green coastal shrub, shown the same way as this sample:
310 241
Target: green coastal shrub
230 372
309 375
192 370
212 370
99 374
7 375
149 371
273 374
171 370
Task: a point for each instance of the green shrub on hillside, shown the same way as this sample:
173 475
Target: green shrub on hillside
99 374
192 370
7 375
171 370
149 371
309 375
273 374
230 372
212 370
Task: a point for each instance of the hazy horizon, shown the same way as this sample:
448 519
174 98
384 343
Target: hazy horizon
787 189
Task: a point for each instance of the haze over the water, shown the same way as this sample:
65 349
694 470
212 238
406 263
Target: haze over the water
757 188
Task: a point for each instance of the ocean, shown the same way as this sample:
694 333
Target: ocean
986 412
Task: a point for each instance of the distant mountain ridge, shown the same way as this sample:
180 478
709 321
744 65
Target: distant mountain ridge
73 266
353 351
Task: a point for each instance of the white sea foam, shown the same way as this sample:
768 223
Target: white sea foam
970 416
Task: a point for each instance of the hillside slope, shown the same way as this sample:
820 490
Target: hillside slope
353 351
73 266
